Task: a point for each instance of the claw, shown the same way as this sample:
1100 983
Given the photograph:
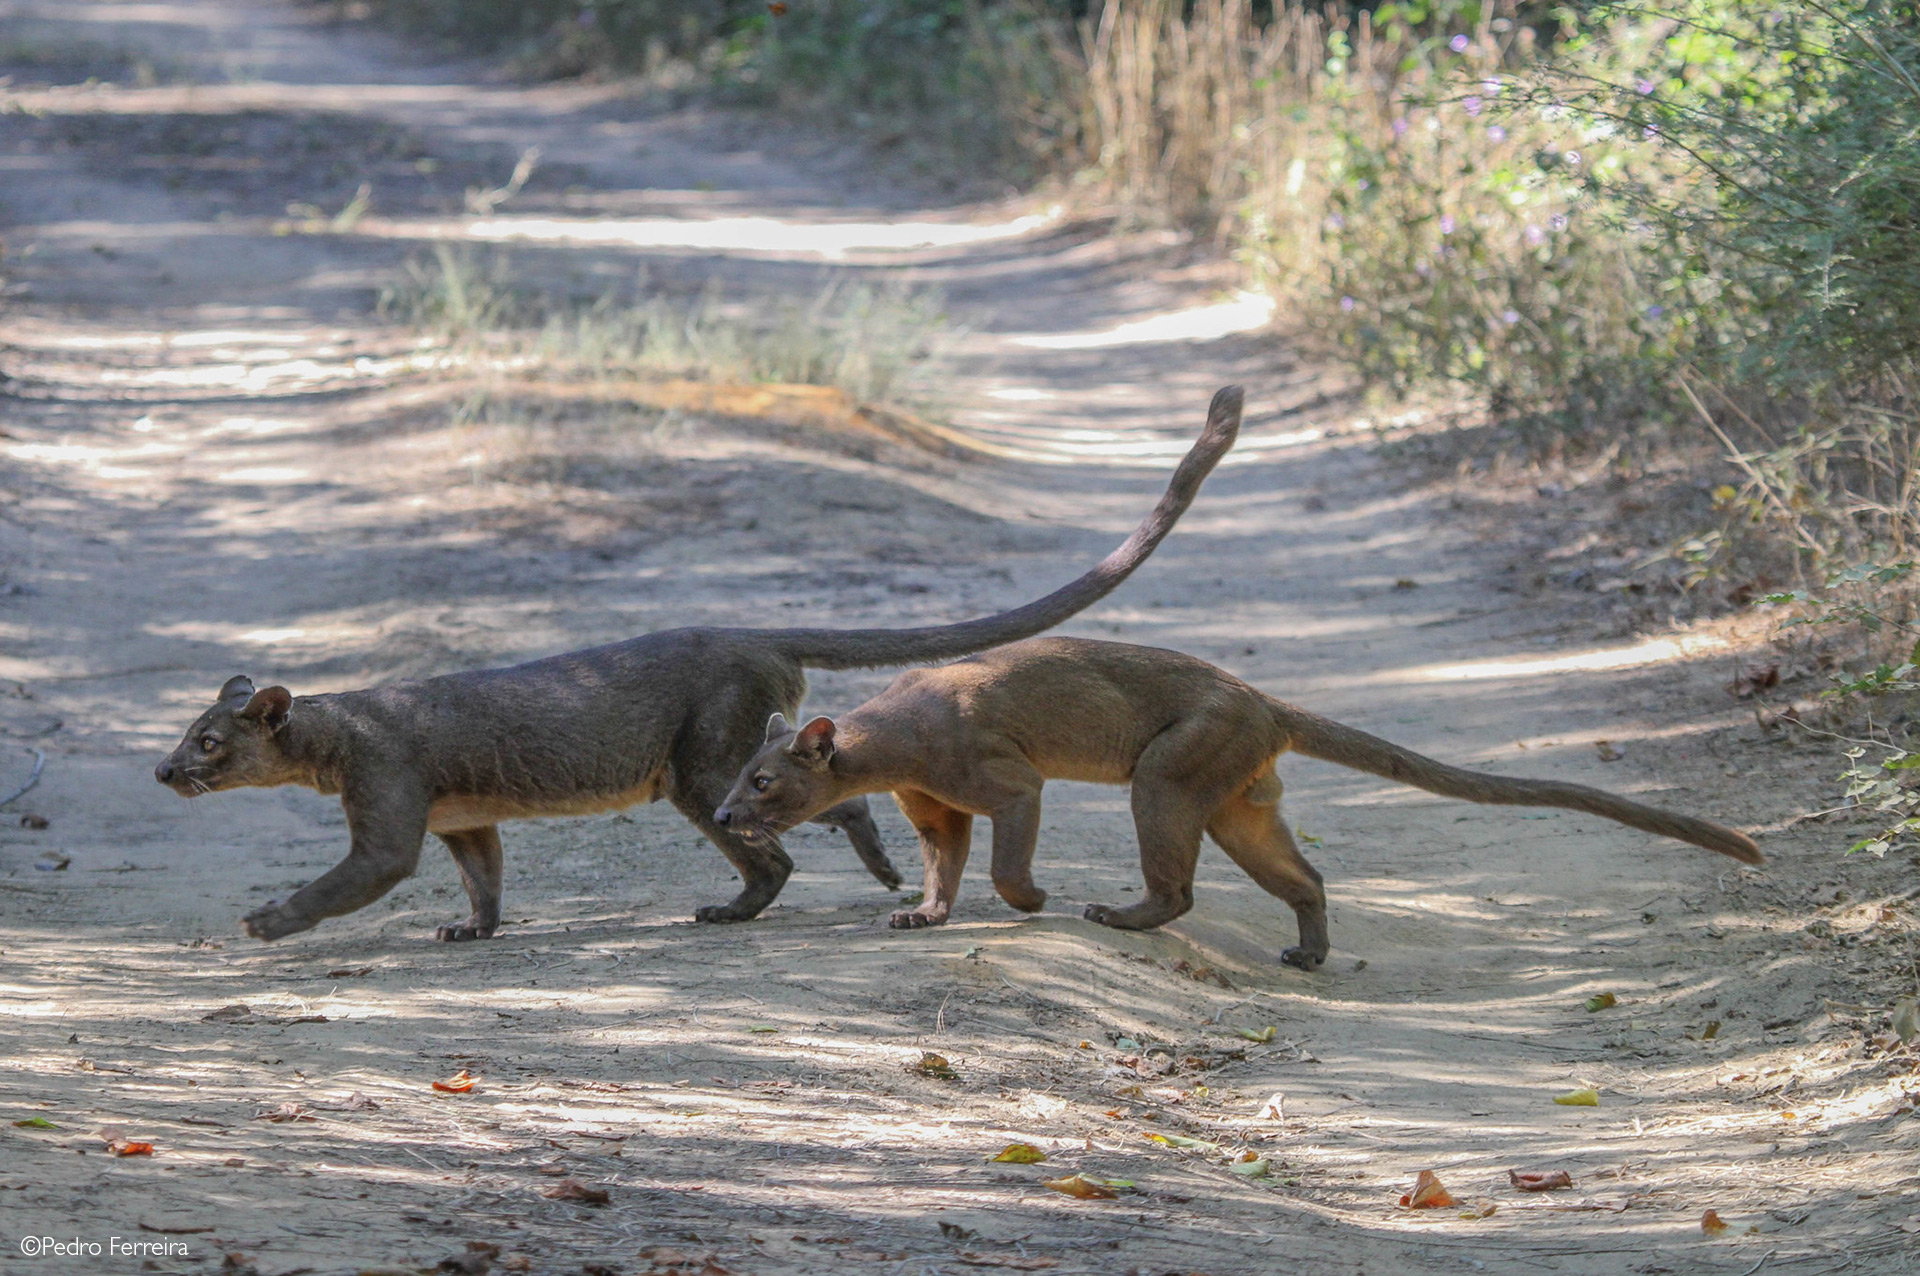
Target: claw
1301 959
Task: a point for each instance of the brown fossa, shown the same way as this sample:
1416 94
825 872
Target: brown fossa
673 714
1198 745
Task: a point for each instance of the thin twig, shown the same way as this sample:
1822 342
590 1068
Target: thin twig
39 765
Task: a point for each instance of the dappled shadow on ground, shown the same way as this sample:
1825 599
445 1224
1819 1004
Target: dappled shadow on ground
217 462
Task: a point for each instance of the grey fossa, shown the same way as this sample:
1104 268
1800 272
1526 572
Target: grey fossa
673 715
1198 745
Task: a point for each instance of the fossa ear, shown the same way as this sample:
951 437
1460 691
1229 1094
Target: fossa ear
813 744
269 708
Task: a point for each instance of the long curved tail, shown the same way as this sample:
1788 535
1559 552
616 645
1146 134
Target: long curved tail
867 648
1331 741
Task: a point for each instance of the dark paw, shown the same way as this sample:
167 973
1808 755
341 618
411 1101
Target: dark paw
1301 959
911 919
1107 915
890 878
272 921
720 913
463 932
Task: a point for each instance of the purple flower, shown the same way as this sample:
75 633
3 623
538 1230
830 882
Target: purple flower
1400 126
1458 44
1446 224
1654 312
1422 269
1510 315
1643 87
1362 184
1649 132
1534 235
1491 87
1472 104
1558 221
1497 133
1571 157
1336 222
1347 304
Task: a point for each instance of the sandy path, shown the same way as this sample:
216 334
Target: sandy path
216 460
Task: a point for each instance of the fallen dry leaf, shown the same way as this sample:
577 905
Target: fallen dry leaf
36 1123
1021 1154
1712 1224
1262 1035
129 1147
1480 1209
1755 678
1085 1189
1906 1019
1275 1108
935 1066
354 1102
475 1260
1182 1141
517 1263
575 1190
1427 1193
284 1113
666 1256
1607 751
1539 1180
459 1083
1586 1098
1601 1001
1033 1263
1256 1168
1910 1224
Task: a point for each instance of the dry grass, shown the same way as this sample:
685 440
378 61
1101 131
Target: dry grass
877 344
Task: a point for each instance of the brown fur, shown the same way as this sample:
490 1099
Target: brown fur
671 715
1197 745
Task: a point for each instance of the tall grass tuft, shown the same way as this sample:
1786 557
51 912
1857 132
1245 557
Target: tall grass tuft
879 344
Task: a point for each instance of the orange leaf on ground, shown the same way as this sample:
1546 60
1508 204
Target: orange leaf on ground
1427 1193
459 1083
1539 1180
1084 1189
130 1147
1712 1224
575 1190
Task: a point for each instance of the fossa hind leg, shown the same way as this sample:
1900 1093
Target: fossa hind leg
1253 834
476 853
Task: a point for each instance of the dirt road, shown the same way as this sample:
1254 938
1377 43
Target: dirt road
217 460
